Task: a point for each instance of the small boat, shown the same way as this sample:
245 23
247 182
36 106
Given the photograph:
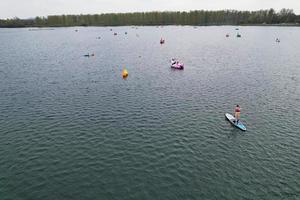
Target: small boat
176 64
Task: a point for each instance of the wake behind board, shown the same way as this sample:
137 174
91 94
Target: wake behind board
232 120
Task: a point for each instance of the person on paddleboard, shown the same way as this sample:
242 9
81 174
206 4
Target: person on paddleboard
237 113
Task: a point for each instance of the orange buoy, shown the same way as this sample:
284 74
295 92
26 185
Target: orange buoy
125 73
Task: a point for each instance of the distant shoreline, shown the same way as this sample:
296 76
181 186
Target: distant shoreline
52 27
284 17
283 25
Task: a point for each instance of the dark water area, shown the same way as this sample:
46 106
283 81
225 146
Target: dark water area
72 128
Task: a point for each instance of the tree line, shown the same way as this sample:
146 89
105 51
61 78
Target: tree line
195 18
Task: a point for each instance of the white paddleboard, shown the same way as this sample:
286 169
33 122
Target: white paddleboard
232 120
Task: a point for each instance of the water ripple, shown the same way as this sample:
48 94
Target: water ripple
72 128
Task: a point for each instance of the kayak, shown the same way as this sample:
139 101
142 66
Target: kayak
232 120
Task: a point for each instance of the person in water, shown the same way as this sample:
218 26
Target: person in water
237 113
173 61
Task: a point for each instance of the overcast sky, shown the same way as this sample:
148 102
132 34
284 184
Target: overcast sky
32 8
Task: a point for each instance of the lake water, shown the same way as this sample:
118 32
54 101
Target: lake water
72 128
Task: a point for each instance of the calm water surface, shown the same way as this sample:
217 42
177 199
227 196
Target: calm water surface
72 128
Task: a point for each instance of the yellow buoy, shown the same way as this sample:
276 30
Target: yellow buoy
125 73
